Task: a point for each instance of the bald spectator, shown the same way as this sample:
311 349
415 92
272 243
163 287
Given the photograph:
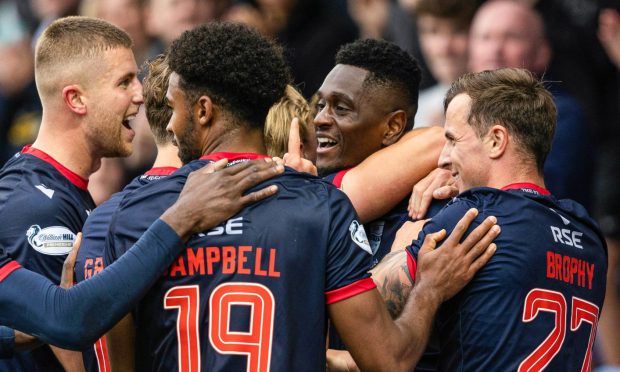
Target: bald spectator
508 33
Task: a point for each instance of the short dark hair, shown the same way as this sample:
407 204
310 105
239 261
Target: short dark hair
387 65
514 98
239 69
155 86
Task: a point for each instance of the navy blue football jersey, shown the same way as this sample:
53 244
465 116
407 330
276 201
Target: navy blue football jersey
42 206
381 234
250 294
89 260
536 303
382 231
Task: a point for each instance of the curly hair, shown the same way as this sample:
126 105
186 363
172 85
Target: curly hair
240 70
389 66
155 85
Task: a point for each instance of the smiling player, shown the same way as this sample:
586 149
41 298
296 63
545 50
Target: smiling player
86 77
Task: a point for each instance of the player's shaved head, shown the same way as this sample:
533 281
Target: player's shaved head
68 47
389 67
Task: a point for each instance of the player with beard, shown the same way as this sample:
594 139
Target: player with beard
75 317
254 292
90 257
86 78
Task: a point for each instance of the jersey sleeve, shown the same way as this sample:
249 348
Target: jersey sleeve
42 230
121 236
89 260
336 178
74 318
7 342
135 213
349 255
447 219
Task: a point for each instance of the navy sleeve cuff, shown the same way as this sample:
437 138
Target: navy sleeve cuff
7 342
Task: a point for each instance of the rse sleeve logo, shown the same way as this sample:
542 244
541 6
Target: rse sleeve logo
53 240
358 235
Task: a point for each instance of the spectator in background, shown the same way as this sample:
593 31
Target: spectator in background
166 20
126 14
443 30
309 30
388 20
508 33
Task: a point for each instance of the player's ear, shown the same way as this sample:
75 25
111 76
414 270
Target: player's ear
497 141
396 121
203 110
73 97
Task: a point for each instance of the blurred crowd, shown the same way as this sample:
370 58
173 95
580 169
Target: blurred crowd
574 45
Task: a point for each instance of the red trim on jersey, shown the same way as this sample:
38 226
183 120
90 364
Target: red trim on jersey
8 268
339 176
74 178
412 265
160 171
527 185
350 290
101 353
232 156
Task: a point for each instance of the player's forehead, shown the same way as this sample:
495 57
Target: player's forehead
343 81
116 63
457 114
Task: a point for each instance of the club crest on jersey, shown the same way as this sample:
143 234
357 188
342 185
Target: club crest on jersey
53 240
358 235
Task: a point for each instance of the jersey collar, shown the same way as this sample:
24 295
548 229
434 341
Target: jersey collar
527 186
74 178
160 171
233 156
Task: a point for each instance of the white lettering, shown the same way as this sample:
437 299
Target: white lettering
567 237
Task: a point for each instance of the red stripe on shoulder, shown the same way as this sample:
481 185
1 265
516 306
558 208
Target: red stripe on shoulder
349 291
73 177
161 171
339 176
8 269
412 265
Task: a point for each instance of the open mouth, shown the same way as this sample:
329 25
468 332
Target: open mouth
325 143
127 120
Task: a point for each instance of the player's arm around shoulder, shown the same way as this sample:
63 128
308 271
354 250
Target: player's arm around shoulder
373 338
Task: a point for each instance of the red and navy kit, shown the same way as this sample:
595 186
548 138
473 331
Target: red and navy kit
74 318
536 303
382 231
381 234
89 260
42 206
252 292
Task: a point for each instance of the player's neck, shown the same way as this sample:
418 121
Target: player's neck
68 146
167 156
238 140
517 172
